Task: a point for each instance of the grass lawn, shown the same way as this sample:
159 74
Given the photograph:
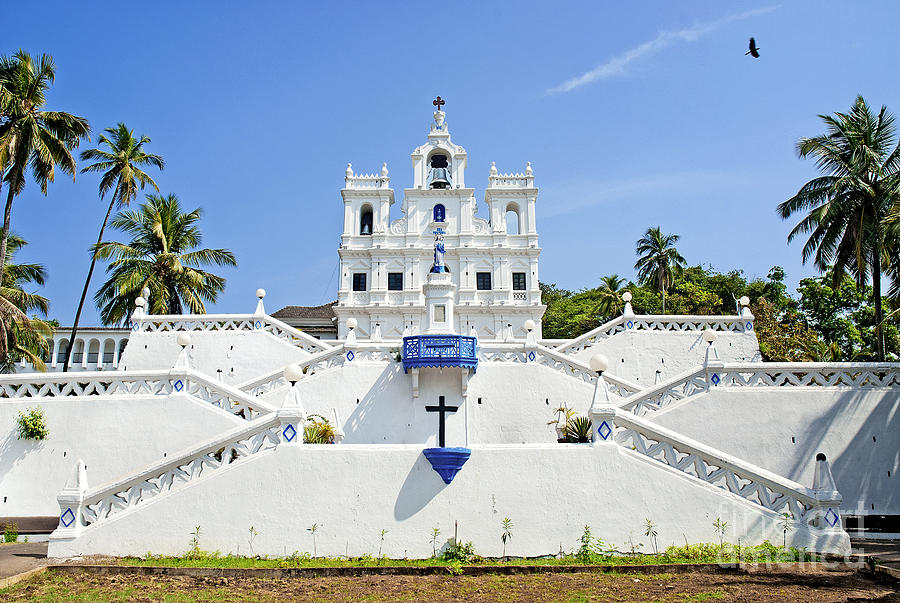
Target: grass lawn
815 586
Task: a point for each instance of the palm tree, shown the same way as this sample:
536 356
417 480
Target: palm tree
29 136
610 294
848 205
22 337
658 262
162 255
121 165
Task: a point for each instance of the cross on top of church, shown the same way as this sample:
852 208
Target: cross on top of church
438 102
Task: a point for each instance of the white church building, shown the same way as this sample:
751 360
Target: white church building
443 396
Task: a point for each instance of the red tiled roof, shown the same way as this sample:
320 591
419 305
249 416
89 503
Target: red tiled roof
300 312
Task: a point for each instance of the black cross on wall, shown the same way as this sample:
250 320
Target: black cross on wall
438 102
442 409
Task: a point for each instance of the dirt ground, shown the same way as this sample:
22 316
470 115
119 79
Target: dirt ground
818 587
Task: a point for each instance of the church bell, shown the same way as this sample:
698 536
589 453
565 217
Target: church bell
440 172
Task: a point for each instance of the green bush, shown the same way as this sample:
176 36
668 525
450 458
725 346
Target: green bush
464 553
10 533
30 425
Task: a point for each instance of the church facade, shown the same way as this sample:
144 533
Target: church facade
492 263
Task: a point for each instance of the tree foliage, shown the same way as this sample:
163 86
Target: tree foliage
162 255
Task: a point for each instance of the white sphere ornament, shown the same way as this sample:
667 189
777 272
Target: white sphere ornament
293 373
351 323
529 325
140 302
744 301
146 292
184 339
709 335
626 296
260 293
599 363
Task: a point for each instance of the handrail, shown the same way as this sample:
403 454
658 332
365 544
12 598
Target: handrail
257 436
336 356
654 322
763 374
746 480
538 354
134 383
229 322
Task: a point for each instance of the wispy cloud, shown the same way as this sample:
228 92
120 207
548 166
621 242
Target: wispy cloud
618 65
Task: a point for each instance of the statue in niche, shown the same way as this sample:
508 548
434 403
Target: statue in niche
440 171
439 252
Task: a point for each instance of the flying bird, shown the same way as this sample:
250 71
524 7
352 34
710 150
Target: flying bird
754 51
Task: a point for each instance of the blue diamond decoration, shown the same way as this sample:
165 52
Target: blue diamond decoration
67 518
629 324
749 326
135 326
531 356
350 356
179 386
715 379
289 433
604 430
258 324
831 517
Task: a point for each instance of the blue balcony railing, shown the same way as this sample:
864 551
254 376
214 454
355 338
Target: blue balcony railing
434 351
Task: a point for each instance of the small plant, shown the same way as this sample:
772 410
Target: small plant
381 543
578 430
195 543
786 523
720 527
10 532
506 533
31 425
634 547
312 530
650 531
585 552
464 553
318 430
252 534
435 534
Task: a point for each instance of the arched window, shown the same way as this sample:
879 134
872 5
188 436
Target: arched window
513 224
62 347
365 220
440 214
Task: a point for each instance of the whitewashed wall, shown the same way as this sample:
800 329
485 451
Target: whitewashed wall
638 355
240 355
507 403
114 437
353 492
782 429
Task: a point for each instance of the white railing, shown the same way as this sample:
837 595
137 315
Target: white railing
158 323
134 383
511 180
337 356
257 437
862 375
754 484
654 323
539 355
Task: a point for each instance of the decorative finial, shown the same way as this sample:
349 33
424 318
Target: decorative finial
493 169
438 102
384 170
528 170
349 169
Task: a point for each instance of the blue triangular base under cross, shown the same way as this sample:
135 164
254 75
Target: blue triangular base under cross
447 461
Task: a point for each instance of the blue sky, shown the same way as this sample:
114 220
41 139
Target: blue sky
633 115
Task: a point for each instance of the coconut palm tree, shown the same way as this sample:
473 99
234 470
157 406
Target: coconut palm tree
121 166
658 260
163 256
848 205
29 136
610 294
22 337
